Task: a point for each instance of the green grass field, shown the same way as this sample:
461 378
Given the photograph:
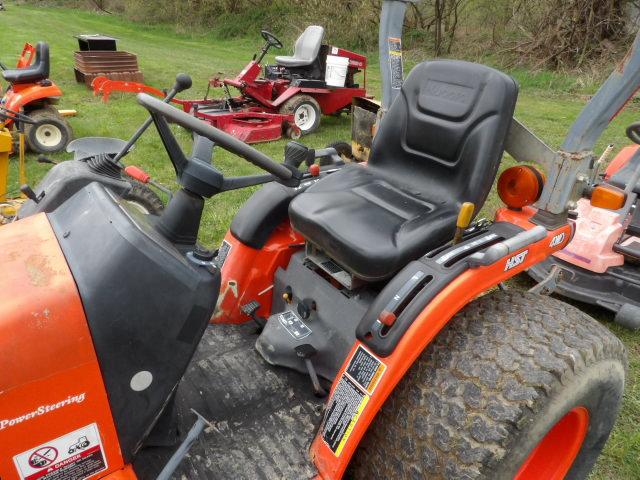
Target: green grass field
548 103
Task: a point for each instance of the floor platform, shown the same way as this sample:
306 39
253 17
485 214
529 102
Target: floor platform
265 417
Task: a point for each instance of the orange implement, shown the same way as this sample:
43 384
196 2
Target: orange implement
105 86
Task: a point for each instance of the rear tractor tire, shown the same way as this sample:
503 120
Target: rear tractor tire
516 386
143 199
51 133
306 112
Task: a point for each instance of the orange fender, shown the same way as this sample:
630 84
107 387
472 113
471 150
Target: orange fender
469 285
19 96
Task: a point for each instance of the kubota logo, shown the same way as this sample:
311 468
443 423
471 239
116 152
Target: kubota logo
515 260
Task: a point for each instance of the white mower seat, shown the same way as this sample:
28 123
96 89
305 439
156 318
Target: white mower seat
306 48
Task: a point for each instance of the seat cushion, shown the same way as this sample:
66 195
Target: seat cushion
306 48
286 61
369 226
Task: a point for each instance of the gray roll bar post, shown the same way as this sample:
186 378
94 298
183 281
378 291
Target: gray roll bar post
568 169
390 47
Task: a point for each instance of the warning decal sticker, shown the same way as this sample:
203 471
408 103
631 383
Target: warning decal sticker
223 253
294 325
343 411
395 62
350 397
365 369
76 455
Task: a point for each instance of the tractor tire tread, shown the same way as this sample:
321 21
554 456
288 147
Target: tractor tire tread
146 197
462 404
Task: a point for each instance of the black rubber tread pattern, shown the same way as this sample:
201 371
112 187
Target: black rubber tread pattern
144 196
265 417
462 404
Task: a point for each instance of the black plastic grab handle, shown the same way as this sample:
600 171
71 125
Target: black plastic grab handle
217 136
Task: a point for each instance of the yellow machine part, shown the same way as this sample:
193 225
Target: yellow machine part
6 146
363 120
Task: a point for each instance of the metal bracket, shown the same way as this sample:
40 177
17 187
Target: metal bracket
195 431
548 284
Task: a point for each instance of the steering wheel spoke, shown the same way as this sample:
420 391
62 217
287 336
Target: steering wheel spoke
196 174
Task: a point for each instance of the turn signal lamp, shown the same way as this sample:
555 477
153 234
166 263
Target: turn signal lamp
609 197
520 186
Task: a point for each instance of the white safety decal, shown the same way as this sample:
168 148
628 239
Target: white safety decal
74 456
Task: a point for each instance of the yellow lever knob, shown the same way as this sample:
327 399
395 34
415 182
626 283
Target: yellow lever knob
465 215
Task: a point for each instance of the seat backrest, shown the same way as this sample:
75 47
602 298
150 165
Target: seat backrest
35 72
308 44
443 137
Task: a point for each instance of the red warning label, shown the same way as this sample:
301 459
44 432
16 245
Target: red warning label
77 455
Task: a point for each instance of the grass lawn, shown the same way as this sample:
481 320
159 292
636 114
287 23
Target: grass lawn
548 103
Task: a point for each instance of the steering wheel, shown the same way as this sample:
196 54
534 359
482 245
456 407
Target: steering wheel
271 39
633 132
161 112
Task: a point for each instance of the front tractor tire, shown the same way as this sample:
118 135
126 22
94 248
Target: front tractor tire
306 112
516 386
142 198
50 133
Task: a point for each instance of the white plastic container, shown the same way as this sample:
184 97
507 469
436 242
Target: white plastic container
336 72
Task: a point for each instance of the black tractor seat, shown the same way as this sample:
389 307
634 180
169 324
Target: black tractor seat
439 145
37 71
306 48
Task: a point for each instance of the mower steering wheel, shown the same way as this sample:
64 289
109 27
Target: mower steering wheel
157 108
271 39
633 132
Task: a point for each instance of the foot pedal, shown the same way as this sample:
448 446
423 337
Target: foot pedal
250 309
306 351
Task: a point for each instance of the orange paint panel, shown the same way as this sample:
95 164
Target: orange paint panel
20 95
50 380
247 273
469 285
620 160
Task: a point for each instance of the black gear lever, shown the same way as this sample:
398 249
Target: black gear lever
183 82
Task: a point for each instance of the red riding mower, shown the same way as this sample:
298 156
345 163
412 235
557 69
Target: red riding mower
318 79
32 92
362 278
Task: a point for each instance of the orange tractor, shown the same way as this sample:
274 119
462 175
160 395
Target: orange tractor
357 328
31 92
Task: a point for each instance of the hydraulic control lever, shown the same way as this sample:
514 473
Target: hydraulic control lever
183 82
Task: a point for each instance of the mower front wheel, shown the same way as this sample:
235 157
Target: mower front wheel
50 133
517 386
306 112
